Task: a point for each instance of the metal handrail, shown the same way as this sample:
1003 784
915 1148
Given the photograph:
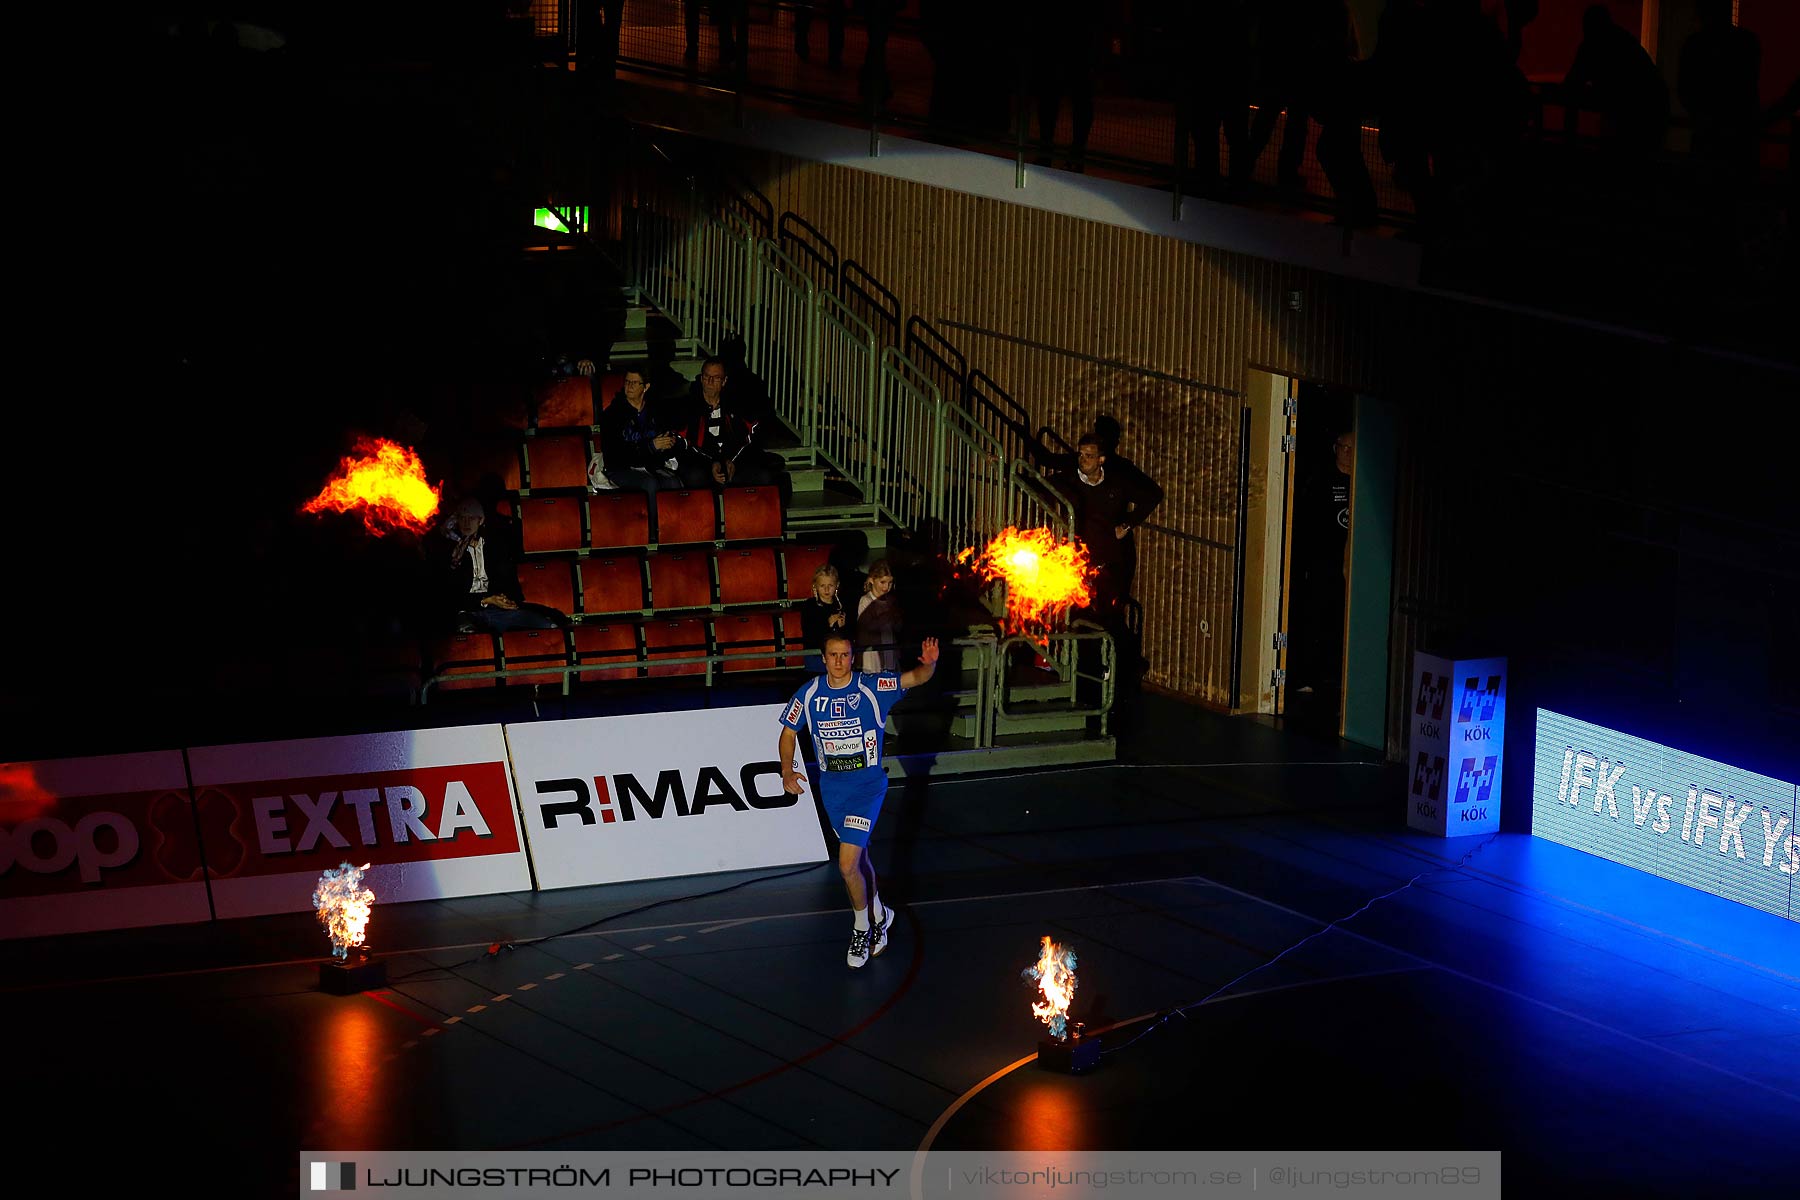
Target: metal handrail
1066 643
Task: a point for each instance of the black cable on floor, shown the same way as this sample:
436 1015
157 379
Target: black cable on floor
1182 1011
494 949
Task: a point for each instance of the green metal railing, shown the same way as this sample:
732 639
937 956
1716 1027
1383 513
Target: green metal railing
866 410
849 380
1064 649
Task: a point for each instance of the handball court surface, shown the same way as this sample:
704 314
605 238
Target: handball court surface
1602 1028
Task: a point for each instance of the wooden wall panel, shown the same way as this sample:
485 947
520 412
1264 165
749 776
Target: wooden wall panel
1082 318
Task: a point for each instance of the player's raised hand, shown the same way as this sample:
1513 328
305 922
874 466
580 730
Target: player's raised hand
928 652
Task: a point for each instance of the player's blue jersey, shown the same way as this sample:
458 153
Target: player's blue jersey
846 723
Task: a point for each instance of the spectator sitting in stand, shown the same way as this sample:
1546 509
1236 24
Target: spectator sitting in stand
636 451
716 443
480 575
822 616
878 619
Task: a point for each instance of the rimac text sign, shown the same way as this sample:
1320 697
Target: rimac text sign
1689 819
607 799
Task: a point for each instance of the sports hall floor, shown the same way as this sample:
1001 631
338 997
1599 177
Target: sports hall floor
1605 1030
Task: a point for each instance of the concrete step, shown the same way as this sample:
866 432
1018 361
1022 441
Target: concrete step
809 480
1043 717
1016 694
1012 752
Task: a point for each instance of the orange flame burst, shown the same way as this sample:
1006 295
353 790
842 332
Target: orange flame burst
344 906
1054 974
1045 577
386 481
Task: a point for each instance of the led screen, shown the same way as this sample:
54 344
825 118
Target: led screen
1689 819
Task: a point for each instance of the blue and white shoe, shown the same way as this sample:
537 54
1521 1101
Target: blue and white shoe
859 947
880 932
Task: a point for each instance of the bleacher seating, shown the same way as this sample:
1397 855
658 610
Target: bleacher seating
801 562
747 576
740 634
556 460
675 639
550 523
633 602
535 648
605 644
686 518
793 640
462 654
565 403
612 585
751 513
619 520
680 580
548 582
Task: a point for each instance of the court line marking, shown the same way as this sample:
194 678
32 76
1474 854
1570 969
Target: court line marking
937 1126
713 926
1502 988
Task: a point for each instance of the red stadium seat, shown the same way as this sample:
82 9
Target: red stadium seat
801 562
680 579
793 640
612 585
751 513
619 520
463 654
747 576
606 644
550 523
738 634
557 460
536 648
548 583
676 639
607 388
684 518
512 471
566 402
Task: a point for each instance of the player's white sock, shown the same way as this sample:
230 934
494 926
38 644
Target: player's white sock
876 907
862 917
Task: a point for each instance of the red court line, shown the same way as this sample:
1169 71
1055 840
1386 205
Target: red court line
906 983
379 998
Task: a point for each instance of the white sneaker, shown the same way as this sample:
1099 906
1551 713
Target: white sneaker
859 947
881 931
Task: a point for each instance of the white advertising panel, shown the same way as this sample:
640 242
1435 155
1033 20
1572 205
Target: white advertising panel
109 842
1455 738
608 799
1689 819
431 810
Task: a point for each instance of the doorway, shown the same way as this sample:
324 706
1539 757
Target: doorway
1318 557
1322 465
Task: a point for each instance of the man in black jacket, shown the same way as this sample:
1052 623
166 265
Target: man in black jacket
1144 491
1109 506
716 447
479 574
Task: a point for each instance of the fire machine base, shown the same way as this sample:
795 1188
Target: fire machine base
1075 1056
347 978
